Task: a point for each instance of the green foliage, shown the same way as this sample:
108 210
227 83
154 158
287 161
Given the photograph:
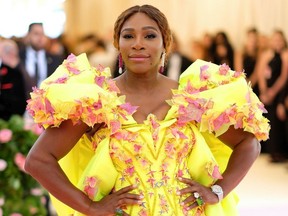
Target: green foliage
17 193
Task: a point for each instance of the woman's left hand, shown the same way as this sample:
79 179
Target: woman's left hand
193 189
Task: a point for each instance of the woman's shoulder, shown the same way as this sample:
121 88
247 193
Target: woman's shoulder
169 83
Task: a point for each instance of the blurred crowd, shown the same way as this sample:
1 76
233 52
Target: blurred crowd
25 62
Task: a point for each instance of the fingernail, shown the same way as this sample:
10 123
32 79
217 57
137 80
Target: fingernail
182 203
140 202
141 196
178 193
180 178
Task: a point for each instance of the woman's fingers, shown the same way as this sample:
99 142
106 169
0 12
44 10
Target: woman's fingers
129 199
125 189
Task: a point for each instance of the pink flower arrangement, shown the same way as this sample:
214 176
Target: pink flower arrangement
17 135
5 135
3 165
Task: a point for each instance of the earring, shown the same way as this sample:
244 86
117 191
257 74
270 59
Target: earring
120 70
161 69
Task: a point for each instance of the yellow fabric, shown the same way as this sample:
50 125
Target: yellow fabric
153 154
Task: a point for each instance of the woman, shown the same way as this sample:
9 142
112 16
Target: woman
141 151
247 58
273 75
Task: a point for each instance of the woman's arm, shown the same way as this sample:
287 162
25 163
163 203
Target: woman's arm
246 149
261 67
238 62
42 163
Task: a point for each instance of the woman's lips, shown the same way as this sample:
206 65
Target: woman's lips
138 57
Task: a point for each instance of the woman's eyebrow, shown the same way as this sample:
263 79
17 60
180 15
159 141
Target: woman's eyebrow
144 28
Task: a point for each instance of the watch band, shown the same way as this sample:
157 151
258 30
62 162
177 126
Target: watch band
217 189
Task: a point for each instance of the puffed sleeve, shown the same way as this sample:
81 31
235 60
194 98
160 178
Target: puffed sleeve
216 98
79 92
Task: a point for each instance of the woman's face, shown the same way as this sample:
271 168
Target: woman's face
141 44
277 42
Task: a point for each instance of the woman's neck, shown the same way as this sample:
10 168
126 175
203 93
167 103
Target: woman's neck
140 83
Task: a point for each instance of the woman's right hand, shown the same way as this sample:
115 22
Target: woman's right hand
117 200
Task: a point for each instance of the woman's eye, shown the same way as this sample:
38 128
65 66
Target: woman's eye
127 36
150 36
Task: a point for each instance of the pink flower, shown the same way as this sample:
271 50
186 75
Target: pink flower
190 89
100 68
238 74
62 79
112 86
90 187
216 173
5 135
137 148
204 75
130 170
223 118
3 165
70 64
224 69
99 80
19 160
15 214
36 191
128 108
115 125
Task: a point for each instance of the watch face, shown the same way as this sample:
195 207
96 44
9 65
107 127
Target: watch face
217 189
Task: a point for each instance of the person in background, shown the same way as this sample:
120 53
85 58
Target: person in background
282 112
38 63
246 58
12 86
222 49
207 43
272 70
142 143
103 55
177 62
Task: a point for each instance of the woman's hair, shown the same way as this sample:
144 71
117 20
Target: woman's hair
152 12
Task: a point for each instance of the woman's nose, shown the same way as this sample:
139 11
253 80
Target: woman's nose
138 44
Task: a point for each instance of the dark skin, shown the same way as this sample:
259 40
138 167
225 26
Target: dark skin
141 45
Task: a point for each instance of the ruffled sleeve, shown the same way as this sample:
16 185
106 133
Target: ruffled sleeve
79 92
215 98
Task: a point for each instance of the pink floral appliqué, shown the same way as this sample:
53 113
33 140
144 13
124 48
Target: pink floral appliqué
213 170
204 75
91 186
224 69
69 63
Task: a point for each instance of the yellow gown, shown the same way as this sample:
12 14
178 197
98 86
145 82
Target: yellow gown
210 98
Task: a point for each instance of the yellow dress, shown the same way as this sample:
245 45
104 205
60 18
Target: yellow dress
209 99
